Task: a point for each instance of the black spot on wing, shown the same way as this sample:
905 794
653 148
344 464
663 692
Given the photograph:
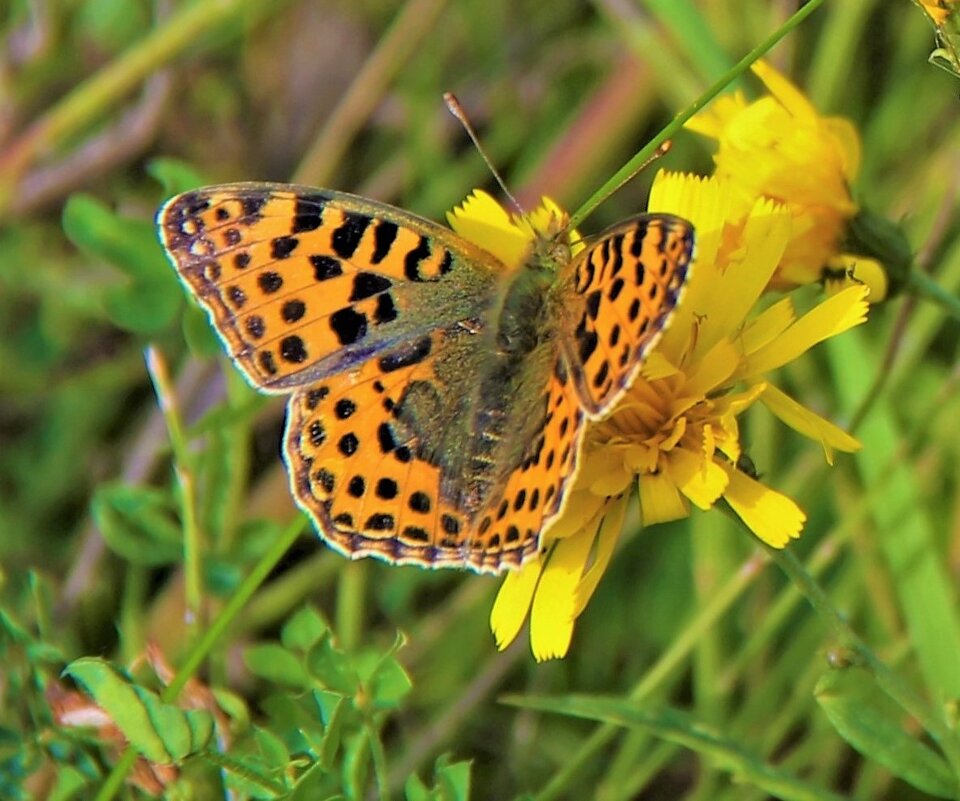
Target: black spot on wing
346 239
252 205
384 235
386 310
282 246
309 213
366 285
349 325
270 282
293 350
293 310
325 267
408 354
413 259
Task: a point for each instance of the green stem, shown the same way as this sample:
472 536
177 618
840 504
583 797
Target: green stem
379 758
627 171
208 639
351 590
183 467
237 768
889 681
923 286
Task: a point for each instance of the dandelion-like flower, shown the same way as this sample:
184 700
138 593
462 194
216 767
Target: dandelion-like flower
779 147
675 434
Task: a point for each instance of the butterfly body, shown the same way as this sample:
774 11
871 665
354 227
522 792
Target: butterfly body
438 397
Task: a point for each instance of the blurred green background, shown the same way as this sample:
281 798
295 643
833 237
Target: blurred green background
109 106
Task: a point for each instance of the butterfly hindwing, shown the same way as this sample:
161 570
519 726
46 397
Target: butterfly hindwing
619 294
302 283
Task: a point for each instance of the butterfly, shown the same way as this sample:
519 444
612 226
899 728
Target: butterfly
437 397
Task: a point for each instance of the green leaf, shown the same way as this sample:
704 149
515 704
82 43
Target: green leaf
415 789
138 523
304 629
332 668
199 334
274 752
681 728
453 780
162 733
451 783
872 723
127 307
332 707
129 245
276 664
174 175
248 774
356 756
69 783
234 706
310 784
389 683
150 298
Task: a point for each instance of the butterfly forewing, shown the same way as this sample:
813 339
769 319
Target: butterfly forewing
302 283
619 294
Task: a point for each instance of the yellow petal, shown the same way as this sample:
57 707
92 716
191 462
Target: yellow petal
702 481
769 324
657 366
483 221
792 98
712 370
660 500
581 506
858 270
555 601
513 602
698 200
641 458
612 480
831 317
737 287
607 537
714 119
738 402
773 517
808 423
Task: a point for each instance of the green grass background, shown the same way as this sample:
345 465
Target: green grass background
693 672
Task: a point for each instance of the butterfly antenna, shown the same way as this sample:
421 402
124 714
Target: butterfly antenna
457 110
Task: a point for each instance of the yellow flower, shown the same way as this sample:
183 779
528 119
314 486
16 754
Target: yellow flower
780 148
483 221
939 11
675 434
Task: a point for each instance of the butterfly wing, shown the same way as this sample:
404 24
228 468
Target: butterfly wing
618 296
303 283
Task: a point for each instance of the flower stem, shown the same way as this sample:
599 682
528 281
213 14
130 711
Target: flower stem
923 286
183 468
626 172
888 680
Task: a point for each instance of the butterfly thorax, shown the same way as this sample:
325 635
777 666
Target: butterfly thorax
510 405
